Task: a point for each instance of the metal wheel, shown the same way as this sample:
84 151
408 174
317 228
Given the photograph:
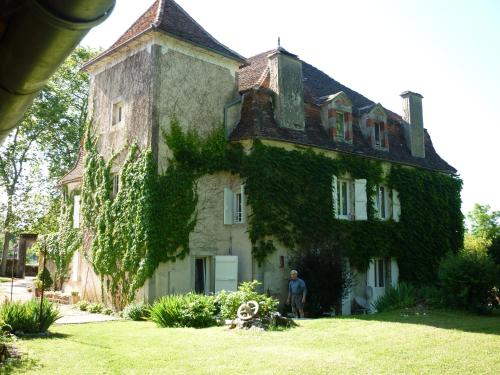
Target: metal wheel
248 310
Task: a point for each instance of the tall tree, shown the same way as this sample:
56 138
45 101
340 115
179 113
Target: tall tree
484 222
49 134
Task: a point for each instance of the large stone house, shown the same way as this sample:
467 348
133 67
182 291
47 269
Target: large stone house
167 65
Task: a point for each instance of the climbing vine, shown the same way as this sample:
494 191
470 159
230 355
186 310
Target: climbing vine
289 192
59 247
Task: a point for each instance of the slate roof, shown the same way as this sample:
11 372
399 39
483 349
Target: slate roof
257 117
167 16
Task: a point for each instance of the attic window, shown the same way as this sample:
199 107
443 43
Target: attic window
117 113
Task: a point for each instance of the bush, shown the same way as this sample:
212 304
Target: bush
227 303
316 266
400 297
184 310
107 311
44 276
95 308
82 305
468 281
430 296
136 311
494 250
25 316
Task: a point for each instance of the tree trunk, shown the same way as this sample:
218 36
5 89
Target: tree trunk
7 236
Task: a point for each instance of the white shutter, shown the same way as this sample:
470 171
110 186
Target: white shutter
394 272
243 201
360 199
375 203
76 211
396 205
228 206
370 274
226 273
334 196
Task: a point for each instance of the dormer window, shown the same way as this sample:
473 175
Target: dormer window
336 116
374 126
117 113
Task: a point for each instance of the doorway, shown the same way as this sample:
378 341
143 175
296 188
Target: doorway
200 275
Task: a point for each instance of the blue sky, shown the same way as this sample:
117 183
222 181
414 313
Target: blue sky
449 51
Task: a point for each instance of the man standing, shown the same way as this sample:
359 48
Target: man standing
296 294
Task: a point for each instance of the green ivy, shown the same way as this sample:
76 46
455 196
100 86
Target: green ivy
289 192
59 247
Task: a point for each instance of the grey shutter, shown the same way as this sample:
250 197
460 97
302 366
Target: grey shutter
360 199
228 206
396 205
334 196
243 201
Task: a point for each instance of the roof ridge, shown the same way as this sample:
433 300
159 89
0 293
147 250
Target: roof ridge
201 27
159 12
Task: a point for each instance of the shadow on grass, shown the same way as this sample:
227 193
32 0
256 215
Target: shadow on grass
49 336
445 319
18 365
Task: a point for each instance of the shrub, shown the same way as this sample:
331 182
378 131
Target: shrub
468 280
25 316
136 311
400 297
95 308
494 250
184 310
44 276
107 311
227 303
430 296
82 305
315 267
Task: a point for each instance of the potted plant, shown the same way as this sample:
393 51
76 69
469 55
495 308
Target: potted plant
75 296
37 283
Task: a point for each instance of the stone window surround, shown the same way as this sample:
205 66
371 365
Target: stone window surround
333 104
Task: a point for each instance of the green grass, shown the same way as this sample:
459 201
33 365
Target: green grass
439 342
5 279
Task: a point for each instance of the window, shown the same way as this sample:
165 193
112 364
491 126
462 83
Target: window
234 206
382 272
378 134
76 211
381 202
117 113
339 123
116 185
379 273
343 199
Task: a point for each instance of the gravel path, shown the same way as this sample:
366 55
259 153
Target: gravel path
76 316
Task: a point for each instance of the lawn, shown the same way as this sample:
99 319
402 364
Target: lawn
439 342
5 279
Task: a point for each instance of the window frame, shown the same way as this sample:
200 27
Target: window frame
340 134
383 202
116 185
238 209
340 200
118 105
379 272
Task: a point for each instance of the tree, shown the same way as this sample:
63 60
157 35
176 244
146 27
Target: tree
48 134
484 222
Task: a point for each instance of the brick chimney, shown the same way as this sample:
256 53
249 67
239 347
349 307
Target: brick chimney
414 129
286 81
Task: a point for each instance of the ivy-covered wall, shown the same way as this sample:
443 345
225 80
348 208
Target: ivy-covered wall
289 192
